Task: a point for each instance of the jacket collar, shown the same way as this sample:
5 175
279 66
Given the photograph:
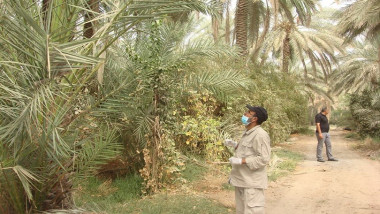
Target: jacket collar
251 130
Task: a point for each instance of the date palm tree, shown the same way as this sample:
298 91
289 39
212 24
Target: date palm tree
358 18
162 68
358 70
254 13
289 41
46 66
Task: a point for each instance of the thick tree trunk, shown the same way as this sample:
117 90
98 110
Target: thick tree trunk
286 47
215 29
89 25
378 58
286 54
241 26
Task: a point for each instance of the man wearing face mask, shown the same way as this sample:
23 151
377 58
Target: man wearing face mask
252 154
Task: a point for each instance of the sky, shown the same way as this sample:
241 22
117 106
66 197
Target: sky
324 3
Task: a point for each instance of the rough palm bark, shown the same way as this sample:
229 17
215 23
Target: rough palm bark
241 26
286 48
215 29
228 29
378 59
89 25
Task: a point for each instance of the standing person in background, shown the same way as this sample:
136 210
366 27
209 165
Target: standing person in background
252 154
323 135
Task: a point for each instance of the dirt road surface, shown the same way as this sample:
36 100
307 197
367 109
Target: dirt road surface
349 186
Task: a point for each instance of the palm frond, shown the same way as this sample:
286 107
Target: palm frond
359 17
97 151
222 84
358 70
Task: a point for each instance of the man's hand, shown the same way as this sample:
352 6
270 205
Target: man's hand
236 161
320 136
229 142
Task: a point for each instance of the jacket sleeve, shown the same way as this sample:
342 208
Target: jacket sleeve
262 156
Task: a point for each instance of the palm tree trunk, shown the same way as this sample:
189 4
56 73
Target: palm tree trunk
228 30
241 26
286 46
286 54
89 25
215 29
378 57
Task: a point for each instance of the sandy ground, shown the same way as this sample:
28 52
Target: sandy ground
349 186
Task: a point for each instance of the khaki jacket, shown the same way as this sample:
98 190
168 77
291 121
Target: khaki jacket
254 146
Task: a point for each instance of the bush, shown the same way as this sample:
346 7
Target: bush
198 131
342 116
365 110
280 95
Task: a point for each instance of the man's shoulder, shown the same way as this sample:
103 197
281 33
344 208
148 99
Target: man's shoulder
262 131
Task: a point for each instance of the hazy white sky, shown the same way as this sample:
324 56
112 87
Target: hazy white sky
324 3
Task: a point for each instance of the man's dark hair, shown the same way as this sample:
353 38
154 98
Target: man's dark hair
324 108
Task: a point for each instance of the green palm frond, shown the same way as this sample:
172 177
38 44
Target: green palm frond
361 16
96 151
222 84
310 44
358 71
143 126
256 14
26 177
321 91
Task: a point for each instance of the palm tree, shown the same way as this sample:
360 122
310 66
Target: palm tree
45 70
360 17
248 11
358 70
295 41
159 66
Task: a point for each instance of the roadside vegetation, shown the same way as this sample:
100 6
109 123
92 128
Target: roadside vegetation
186 195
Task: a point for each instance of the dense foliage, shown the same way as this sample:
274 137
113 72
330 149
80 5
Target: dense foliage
365 109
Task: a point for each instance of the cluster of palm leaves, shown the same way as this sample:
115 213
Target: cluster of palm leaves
359 70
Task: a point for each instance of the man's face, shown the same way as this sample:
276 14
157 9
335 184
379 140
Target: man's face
327 111
251 115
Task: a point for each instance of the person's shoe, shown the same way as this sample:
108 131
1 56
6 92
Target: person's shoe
332 159
320 160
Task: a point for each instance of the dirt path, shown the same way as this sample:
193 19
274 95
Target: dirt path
349 186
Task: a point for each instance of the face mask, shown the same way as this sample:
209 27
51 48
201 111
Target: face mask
244 120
